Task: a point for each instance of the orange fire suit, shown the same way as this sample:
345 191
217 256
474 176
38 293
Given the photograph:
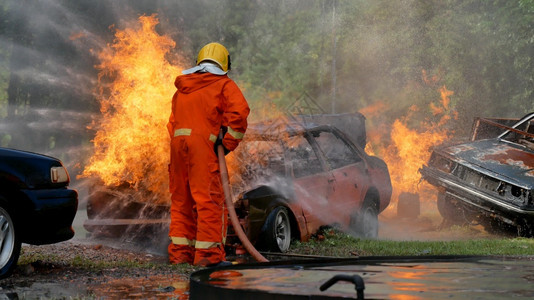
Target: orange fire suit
202 104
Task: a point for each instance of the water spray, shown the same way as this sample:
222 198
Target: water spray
231 210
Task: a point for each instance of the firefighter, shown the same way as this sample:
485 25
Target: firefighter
205 102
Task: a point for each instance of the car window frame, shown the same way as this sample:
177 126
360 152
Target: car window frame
355 150
307 137
527 119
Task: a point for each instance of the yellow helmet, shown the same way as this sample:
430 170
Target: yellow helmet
216 53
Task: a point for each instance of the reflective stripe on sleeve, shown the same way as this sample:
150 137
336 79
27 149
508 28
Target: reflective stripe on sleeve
182 131
182 241
237 135
206 245
213 138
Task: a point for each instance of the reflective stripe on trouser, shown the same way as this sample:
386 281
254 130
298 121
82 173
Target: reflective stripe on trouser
192 243
198 212
182 241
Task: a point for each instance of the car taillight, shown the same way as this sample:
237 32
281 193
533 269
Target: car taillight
59 174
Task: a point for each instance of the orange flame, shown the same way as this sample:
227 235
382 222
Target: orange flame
409 151
136 87
410 148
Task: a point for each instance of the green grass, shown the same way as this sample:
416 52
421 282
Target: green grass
83 263
342 245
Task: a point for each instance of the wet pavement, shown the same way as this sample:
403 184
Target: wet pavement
421 277
149 287
384 278
153 287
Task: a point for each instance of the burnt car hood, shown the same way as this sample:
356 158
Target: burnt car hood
498 159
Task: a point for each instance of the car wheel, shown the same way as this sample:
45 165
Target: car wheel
496 226
9 244
451 213
276 231
525 229
364 223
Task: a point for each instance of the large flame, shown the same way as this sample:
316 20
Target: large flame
136 87
407 148
132 144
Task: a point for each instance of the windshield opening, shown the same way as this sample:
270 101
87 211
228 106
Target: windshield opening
523 133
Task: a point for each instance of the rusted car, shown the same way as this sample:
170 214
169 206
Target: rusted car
305 176
489 180
289 178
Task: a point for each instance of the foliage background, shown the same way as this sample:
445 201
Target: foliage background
346 55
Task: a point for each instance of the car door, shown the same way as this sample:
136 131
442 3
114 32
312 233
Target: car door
350 176
311 183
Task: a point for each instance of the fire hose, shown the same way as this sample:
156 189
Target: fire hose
231 210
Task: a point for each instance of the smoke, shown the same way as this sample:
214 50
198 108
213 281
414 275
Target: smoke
374 51
48 79
48 53
382 58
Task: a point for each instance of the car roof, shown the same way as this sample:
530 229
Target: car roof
274 128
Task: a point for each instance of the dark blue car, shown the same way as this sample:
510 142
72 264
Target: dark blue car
36 205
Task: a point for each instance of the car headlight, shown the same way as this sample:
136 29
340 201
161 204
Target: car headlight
441 163
59 174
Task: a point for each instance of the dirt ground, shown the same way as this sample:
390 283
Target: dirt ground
52 277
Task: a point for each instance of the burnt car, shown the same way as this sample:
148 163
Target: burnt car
305 176
490 179
36 205
290 177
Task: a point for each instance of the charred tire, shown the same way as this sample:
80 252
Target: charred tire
495 226
450 211
276 232
9 243
525 228
364 223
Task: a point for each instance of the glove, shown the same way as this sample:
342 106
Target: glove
218 142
